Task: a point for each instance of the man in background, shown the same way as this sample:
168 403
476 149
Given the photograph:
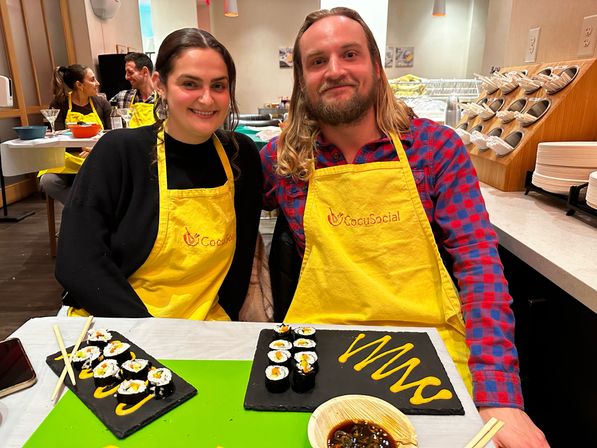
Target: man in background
138 69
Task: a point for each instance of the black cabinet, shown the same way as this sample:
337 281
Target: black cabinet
556 338
111 74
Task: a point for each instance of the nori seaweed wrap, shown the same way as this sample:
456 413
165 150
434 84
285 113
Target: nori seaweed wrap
277 378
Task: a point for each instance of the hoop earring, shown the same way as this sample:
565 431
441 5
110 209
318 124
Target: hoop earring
161 108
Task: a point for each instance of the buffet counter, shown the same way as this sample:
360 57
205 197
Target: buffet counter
537 231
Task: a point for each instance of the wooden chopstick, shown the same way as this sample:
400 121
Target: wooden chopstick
75 348
69 368
483 437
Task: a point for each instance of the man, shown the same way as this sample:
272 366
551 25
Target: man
369 194
138 69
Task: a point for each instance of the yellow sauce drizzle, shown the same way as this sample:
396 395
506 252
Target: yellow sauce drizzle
85 374
100 392
121 410
409 365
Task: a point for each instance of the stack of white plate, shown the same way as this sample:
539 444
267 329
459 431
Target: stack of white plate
591 197
561 165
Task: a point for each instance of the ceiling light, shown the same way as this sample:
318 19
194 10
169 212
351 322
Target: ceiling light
230 8
439 8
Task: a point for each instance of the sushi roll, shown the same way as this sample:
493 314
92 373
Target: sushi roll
118 350
131 391
161 382
99 338
283 331
303 377
106 373
305 332
86 358
277 378
309 357
304 345
279 358
135 369
280 344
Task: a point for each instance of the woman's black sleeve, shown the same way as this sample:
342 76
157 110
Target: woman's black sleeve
103 110
84 263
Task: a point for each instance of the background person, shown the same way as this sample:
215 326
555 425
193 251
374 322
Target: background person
76 95
163 219
370 196
138 70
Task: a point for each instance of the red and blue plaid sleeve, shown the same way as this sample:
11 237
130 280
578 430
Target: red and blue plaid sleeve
462 228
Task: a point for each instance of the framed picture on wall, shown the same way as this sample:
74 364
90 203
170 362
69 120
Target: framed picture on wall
285 57
405 56
121 49
389 63
132 50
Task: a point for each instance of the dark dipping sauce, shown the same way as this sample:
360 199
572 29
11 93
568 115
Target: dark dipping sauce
359 434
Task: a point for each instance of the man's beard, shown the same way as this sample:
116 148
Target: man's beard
342 112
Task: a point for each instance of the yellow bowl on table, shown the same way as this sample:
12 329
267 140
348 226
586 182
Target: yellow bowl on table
340 412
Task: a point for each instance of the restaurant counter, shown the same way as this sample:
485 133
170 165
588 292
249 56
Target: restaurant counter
21 413
537 231
550 262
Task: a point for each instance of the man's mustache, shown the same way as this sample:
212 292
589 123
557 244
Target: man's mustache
331 85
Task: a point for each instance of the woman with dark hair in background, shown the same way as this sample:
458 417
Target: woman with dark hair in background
75 92
163 219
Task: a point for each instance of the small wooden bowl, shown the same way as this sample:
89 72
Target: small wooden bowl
360 407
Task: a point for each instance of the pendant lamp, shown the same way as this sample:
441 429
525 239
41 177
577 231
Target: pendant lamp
439 8
230 8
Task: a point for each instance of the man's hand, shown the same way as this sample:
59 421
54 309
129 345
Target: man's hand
518 431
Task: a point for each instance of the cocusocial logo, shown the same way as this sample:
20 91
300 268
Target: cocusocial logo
371 219
194 239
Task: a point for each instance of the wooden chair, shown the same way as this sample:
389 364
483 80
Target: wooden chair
51 224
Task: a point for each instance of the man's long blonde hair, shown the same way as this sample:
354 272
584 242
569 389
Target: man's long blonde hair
296 157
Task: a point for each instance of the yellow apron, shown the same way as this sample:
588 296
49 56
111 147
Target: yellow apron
72 163
193 249
373 259
142 113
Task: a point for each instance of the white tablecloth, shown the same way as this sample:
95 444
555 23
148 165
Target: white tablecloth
28 156
22 412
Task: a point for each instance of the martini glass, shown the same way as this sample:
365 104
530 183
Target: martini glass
126 113
50 115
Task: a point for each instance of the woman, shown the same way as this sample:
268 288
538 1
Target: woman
163 219
75 95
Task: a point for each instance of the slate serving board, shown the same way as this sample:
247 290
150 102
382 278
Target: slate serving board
123 426
335 378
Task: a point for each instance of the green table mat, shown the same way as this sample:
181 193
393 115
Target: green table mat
215 417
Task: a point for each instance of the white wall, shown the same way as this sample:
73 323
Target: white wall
94 36
171 15
253 39
375 15
444 47
496 35
561 27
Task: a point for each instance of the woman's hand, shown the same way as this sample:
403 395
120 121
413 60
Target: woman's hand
85 152
518 431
